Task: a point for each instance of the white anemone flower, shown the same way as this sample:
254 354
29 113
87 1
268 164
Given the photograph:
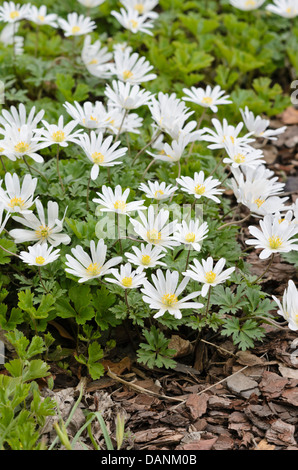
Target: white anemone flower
285 8
159 191
91 3
18 118
41 229
39 255
209 98
96 58
208 274
288 308
273 236
126 277
118 123
76 25
58 133
116 201
164 294
17 197
223 134
11 12
101 152
146 257
127 96
130 67
143 7
87 267
242 156
3 220
131 20
247 5
199 186
89 115
21 142
191 233
8 38
155 229
172 153
41 17
169 112
259 126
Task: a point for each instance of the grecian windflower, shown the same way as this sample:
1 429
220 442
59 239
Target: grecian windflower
17 197
273 236
18 118
96 58
285 8
172 153
9 38
91 3
259 126
21 142
155 229
130 67
288 307
41 229
58 133
40 16
208 274
191 233
126 277
242 156
116 201
101 152
127 96
209 98
3 220
11 12
76 25
224 134
39 255
143 7
159 191
199 186
131 20
247 5
164 294
147 256
89 115
116 123
87 267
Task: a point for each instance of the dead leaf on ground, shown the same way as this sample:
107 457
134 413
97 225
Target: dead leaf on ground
290 116
117 367
182 346
263 445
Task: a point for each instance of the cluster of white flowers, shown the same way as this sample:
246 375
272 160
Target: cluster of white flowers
284 8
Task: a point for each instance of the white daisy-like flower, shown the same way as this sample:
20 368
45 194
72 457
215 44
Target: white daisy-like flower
272 185
208 274
8 38
164 294
147 256
116 201
130 67
169 112
288 308
224 133
41 230
87 267
89 115
41 17
273 236
285 8
58 133
126 277
247 5
199 186
159 191
127 96
96 58
294 208
143 7
191 234
39 255
91 3
117 123
76 25
101 152
18 118
17 198
3 220
11 12
172 153
259 126
242 156
131 20
209 98
21 142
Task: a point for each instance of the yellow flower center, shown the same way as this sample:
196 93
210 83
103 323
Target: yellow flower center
93 62
14 14
97 157
239 158
16 202
75 29
210 277
39 260
127 281
21 147
93 269
41 18
259 202
207 100
250 3
58 136
200 189
289 10
127 74
146 260
134 23
43 232
139 7
158 193
120 205
1 149
153 236
169 300
275 243
190 237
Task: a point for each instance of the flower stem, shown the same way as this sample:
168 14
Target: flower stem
2 163
234 222
119 235
121 125
187 259
41 281
58 170
9 252
198 127
266 270
154 139
148 167
32 168
88 193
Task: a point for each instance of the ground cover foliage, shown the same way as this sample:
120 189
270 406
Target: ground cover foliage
136 227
